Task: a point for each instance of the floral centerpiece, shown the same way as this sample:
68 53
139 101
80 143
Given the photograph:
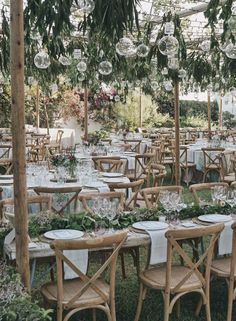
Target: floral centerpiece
68 161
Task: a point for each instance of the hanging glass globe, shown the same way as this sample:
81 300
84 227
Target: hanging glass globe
35 35
168 85
209 87
87 6
64 60
232 24
173 63
169 28
77 54
154 84
230 51
205 45
42 60
232 90
216 86
142 50
233 9
30 80
168 45
105 68
81 76
164 71
54 88
182 73
117 98
125 46
81 66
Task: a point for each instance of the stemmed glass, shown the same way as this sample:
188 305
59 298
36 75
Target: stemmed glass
231 200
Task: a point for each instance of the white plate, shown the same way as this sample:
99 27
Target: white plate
63 234
112 174
150 225
6 176
214 218
6 182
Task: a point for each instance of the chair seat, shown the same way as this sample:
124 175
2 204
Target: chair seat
71 287
156 278
221 267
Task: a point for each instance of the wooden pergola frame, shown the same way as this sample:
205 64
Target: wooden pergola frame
19 141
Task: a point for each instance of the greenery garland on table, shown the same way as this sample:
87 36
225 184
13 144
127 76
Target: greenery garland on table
43 222
47 221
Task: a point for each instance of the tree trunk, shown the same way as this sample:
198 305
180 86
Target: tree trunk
86 113
177 150
19 140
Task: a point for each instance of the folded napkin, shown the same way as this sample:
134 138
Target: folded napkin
98 187
225 241
158 246
79 258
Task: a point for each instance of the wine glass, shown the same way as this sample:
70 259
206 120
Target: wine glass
231 200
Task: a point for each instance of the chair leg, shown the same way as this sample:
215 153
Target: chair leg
94 314
142 292
198 308
208 312
178 308
123 265
230 300
166 306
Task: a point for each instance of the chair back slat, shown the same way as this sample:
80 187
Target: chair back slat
114 241
173 246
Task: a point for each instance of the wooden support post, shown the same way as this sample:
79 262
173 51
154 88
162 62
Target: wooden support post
221 113
37 107
19 140
86 112
209 113
140 108
177 140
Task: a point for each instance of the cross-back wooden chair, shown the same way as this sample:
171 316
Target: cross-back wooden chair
44 202
187 167
62 196
151 194
38 151
134 144
156 175
201 188
5 150
230 176
87 202
224 267
131 189
175 280
110 165
98 160
7 165
213 161
88 197
86 291
167 157
142 163
56 147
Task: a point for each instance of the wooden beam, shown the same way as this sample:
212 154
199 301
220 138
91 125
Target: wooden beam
209 113
140 108
37 107
177 140
221 113
86 112
19 141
